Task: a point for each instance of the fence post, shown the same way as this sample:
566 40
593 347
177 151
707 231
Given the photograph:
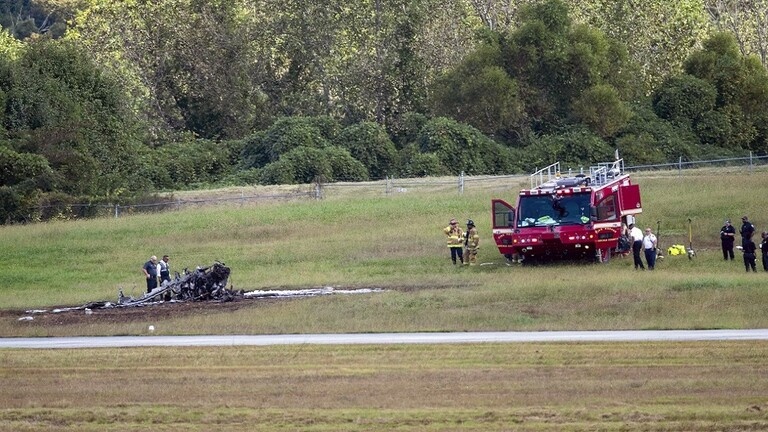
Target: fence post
388 186
117 210
750 161
680 166
461 183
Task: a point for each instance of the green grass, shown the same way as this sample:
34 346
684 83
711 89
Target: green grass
712 386
394 242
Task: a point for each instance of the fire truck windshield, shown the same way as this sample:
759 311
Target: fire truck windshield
547 210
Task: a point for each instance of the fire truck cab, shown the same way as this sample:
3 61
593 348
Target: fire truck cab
567 217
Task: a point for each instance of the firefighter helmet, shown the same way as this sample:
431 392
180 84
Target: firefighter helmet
470 222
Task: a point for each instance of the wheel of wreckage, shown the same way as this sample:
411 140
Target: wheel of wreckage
604 255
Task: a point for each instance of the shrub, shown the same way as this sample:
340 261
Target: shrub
344 167
684 99
462 148
369 143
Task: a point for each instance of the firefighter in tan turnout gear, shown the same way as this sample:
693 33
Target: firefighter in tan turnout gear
455 241
471 243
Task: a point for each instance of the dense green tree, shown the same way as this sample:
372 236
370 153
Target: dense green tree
25 18
196 162
659 34
344 167
684 99
746 21
310 164
723 97
10 205
714 128
479 92
186 62
286 134
648 139
278 172
370 144
462 148
574 147
601 109
414 163
555 61
59 105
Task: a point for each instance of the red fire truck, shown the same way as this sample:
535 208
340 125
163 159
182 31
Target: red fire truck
567 217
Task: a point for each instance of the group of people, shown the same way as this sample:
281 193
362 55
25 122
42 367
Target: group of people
748 246
465 244
462 243
645 242
156 272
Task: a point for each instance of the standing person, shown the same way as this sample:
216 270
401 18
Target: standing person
727 236
764 248
150 273
749 255
746 231
471 243
649 244
455 240
165 270
636 234
624 244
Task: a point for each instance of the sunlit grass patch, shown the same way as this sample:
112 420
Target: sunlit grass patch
702 284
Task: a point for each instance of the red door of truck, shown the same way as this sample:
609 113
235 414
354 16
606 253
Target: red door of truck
629 200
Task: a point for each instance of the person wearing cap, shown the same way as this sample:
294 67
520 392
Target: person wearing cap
471 243
746 231
727 237
150 273
455 241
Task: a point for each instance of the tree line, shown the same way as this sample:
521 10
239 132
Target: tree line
108 102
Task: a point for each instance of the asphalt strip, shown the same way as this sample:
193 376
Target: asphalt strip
385 338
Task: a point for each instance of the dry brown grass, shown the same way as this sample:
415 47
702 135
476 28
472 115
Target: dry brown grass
488 387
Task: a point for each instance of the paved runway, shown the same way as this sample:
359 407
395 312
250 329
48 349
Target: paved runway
386 338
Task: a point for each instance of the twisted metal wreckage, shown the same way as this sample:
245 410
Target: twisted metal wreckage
202 284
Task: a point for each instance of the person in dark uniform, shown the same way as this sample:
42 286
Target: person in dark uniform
764 248
636 235
746 231
727 237
749 255
150 273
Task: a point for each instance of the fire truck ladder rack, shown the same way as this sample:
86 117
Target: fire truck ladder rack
547 175
605 172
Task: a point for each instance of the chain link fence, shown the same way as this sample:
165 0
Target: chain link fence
391 186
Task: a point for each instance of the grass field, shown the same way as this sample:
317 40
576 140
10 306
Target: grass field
393 242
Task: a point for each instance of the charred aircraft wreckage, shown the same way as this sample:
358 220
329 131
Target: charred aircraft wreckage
202 284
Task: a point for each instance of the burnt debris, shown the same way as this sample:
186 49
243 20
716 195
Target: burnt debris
201 284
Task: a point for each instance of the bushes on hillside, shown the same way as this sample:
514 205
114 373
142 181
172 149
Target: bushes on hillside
370 144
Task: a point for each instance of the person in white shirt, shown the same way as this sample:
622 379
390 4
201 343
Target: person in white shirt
164 269
649 244
636 234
